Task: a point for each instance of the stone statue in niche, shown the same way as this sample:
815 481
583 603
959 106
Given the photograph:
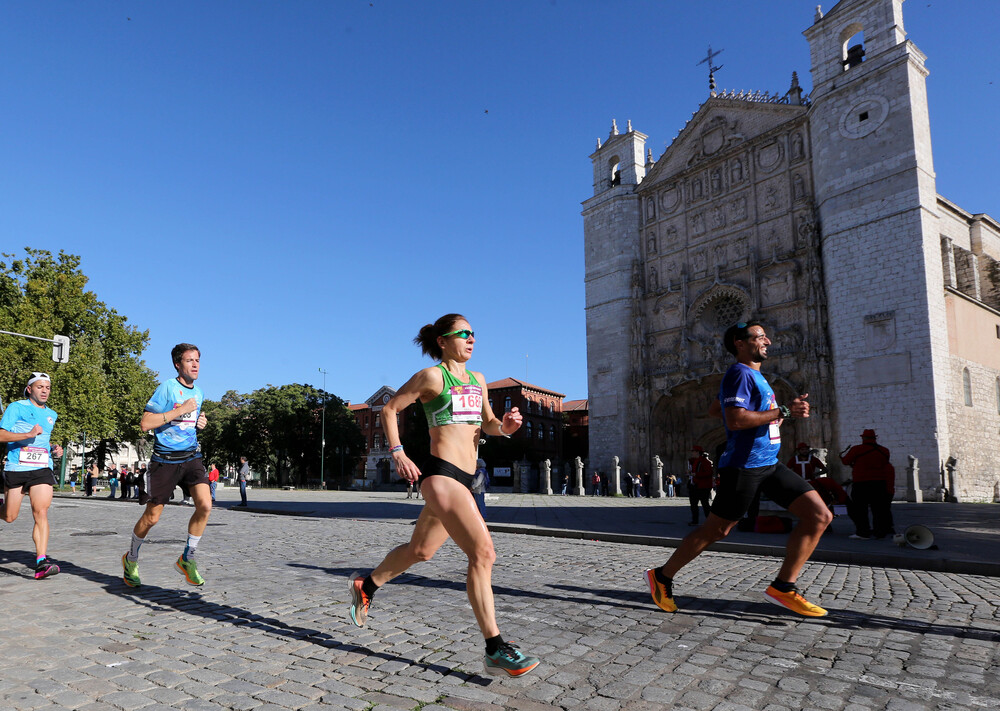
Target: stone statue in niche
696 190
739 209
737 171
718 218
771 197
805 229
796 146
654 280
719 254
650 209
671 236
698 261
716 181
698 223
800 186
651 243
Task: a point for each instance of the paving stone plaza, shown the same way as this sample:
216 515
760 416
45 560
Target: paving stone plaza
269 629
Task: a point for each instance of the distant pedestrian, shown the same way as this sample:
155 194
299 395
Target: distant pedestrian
89 478
213 480
701 477
113 483
565 486
670 480
595 480
125 482
480 484
243 475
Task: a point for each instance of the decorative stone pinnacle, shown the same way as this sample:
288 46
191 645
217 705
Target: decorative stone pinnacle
819 13
598 143
629 127
614 128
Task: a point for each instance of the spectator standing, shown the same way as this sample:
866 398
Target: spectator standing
596 481
805 463
701 477
113 482
874 483
480 484
213 480
89 478
243 476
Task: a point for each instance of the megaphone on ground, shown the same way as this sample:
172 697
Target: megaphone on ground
915 536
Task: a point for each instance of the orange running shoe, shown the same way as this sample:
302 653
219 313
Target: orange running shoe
663 595
794 602
359 601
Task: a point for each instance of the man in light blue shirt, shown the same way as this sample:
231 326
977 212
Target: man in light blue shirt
174 414
26 429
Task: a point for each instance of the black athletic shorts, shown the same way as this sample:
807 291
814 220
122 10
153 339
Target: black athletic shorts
435 466
163 477
26 480
738 486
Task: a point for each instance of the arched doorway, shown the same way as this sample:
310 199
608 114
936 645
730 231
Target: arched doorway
680 420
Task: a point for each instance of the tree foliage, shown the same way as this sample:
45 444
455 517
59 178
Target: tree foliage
279 431
102 389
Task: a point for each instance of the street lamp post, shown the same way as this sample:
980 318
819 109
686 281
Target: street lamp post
322 439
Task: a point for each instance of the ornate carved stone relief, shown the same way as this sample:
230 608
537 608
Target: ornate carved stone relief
650 209
651 242
798 149
670 198
777 285
770 156
772 196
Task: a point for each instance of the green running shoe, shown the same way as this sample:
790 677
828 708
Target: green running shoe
508 659
131 574
190 570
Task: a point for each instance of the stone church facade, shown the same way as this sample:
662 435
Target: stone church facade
819 216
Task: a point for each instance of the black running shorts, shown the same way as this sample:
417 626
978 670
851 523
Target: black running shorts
738 487
435 466
163 477
26 480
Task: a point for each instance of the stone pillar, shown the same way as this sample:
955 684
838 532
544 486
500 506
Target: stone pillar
578 488
656 485
546 486
950 467
616 478
516 478
914 494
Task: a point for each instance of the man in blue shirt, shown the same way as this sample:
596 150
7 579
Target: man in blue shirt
26 429
174 414
749 465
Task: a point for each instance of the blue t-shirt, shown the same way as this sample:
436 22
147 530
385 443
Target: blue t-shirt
744 387
34 453
179 435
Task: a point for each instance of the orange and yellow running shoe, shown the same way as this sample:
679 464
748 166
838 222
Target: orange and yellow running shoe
794 602
662 594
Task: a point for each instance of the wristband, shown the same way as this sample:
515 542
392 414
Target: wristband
786 414
501 433
397 448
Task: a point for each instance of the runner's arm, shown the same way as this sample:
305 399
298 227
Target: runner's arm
152 420
7 436
493 425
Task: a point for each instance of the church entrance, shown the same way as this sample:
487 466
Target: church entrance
680 420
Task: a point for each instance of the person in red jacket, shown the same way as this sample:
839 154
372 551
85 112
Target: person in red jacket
805 463
701 480
874 480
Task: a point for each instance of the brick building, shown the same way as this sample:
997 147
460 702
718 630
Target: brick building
576 420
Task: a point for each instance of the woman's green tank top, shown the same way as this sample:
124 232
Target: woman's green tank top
459 403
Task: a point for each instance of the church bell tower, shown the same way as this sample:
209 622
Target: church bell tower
611 220
877 201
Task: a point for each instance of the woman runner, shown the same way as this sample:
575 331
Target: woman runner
457 407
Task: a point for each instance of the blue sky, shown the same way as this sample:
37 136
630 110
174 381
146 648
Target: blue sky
302 185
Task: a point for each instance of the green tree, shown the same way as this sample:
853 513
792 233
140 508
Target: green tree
279 429
103 387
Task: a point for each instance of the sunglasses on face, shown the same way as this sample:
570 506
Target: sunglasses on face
464 333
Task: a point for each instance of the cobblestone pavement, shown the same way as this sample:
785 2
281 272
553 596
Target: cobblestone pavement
269 630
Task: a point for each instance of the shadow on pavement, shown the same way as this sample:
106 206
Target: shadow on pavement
425 582
844 619
191 602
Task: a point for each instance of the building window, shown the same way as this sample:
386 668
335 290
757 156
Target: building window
541 433
967 386
998 394
378 419
491 403
506 404
527 428
552 434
